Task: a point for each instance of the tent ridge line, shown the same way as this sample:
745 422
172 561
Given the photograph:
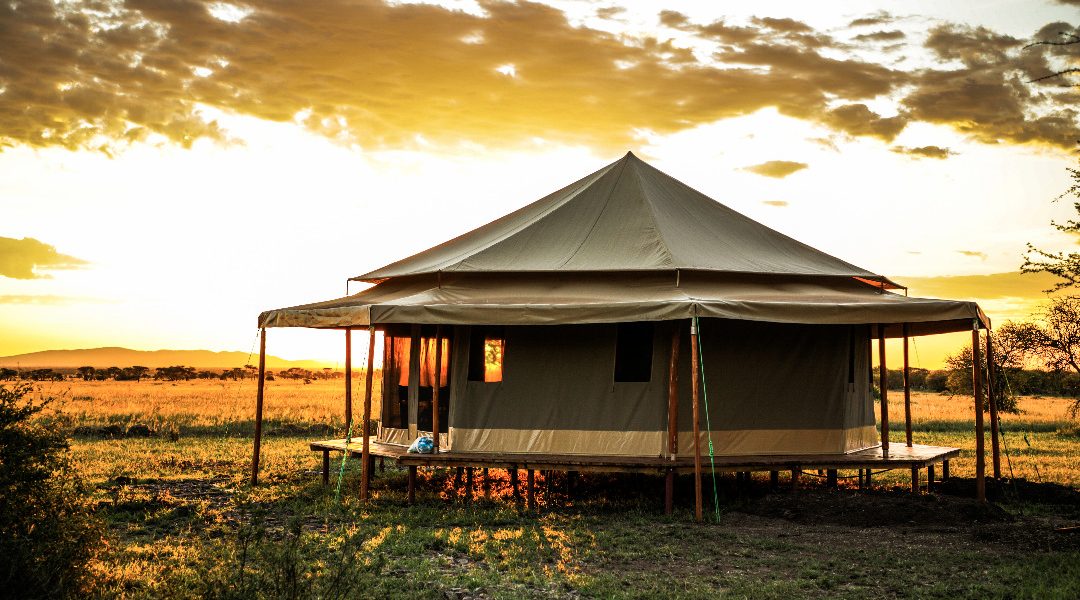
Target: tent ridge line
607 200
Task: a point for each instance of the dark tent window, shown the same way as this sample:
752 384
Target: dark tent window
633 352
486 348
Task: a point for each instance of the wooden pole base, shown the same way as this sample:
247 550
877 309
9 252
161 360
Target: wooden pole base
411 499
669 491
915 480
326 467
530 490
929 478
830 478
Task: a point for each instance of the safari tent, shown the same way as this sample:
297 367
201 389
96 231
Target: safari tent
595 327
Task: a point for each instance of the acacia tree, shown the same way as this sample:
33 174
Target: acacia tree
1064 265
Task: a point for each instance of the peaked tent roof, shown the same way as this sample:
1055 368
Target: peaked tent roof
628 216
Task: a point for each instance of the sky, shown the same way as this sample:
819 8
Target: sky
171 168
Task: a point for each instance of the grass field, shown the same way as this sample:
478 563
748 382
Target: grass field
183 523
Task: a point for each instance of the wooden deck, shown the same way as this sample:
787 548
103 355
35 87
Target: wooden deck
918 456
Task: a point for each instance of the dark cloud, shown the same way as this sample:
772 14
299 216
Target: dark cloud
102 73
19 259
777 169
858 119
776 203
882 36
924 151
879 18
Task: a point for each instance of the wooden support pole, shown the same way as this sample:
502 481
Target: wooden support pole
348 380
468 484
673 418
325 467
365 454
991 387
930 477
945 470
869 479
914 480
695 392
669 491
907 390
830 478
435 389
862 482
530 489
259 394
883 385
774 479
514 485
486 484
977 389
411 497
795 479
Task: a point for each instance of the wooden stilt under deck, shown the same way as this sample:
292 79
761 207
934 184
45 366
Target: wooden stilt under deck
991 387
907 390
348 379
673 419
435 389
259 407
411 495
530 488
977 389
883 385
930 478
695 387
365 478
514 484
914 480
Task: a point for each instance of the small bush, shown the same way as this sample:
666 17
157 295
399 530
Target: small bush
48 535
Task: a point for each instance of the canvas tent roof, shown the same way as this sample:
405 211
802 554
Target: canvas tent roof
627 243
628 216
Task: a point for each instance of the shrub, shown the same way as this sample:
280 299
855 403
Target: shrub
48 535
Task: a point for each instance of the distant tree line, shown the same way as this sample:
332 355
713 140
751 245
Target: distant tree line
172 373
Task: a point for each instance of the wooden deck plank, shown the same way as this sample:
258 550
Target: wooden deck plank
899 456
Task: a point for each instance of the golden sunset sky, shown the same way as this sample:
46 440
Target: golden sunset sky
170 168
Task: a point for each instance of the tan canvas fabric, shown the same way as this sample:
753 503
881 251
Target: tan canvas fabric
628 216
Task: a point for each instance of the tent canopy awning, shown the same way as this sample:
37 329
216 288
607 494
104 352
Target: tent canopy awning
548 299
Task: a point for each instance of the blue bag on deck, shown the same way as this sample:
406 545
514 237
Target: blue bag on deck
422 445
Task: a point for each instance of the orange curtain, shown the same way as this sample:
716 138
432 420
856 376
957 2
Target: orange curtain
427 362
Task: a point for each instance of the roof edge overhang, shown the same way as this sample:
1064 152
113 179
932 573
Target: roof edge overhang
876 281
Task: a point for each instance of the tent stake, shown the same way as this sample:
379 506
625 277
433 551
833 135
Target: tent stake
259 407
435 390
907 390
348 378
365 479
695 385
976 388
673 419
991 386
883 385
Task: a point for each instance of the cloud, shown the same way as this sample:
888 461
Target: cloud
777 203
19 259
993 286
777 169
102 74
973 254
882 36
924 151
47 299
879 18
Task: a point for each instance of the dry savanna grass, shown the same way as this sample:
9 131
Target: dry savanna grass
183 521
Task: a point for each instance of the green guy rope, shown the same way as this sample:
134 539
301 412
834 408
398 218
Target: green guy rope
348 440
708 424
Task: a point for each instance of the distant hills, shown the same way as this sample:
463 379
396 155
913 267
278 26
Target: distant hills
125 357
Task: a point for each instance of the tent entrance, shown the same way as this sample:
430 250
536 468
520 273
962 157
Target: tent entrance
409 378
